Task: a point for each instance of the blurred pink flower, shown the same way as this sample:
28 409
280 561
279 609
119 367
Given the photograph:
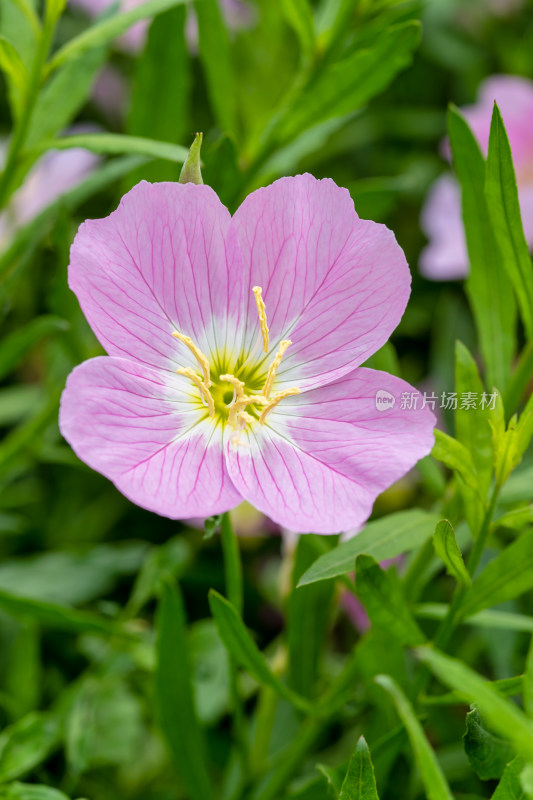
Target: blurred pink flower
198 404
51 176
445 257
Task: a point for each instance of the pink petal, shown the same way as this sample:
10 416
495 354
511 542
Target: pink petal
136 426
324 455
336 285
445 257
165 260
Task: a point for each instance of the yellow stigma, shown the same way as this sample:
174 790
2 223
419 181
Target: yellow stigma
274 366
202 360
275 400
204 391
261 310
243 409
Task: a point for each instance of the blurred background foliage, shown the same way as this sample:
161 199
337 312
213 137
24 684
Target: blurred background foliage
356 90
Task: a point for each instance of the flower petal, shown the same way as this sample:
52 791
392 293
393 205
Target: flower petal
166 259
137 427
324 455
445 257
336 285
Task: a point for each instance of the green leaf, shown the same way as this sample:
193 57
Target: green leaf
26 744
515 520
487 286
502 620
215 55
455 456
210 668
240 645
59 617
527 686
381 595
16 74
307 620
448 551
504 209
502 715
509 787
15 346
54 9
20 24
473 430
30 791
118 144
429 769
348 84
63 96
173 686
360 782
161 88
102 32
299 15
487 753
165 562
383 539
506 577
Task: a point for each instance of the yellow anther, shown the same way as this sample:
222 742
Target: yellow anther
204 391
245 417
197 353
261 310
239 405
236 383
274 401
274 366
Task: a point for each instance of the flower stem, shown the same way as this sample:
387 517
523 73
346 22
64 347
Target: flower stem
234 593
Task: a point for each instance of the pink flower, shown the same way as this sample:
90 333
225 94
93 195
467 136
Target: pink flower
51 176
233 345
446 257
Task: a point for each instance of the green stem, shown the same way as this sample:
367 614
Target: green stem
21 128
234 593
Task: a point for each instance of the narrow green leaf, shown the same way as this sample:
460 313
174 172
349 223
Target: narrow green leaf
102 32
383 538
20 24
53 10
173 686
430 771
472 427
27 743
360 782
15 346
30 791
59 617
487 753
515 520
506 577
118 144
348 84
299 15
527 685
215 55
448 551
16 73
504 209
381 595
509 787
502 620
454 455
241 646
488 288
502 715
307 620
161 89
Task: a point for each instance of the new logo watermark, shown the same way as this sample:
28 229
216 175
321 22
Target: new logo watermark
384 400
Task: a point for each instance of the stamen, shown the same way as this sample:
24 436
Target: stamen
202 360
236 383
204 391
261 310
238 406
274 366
275 400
